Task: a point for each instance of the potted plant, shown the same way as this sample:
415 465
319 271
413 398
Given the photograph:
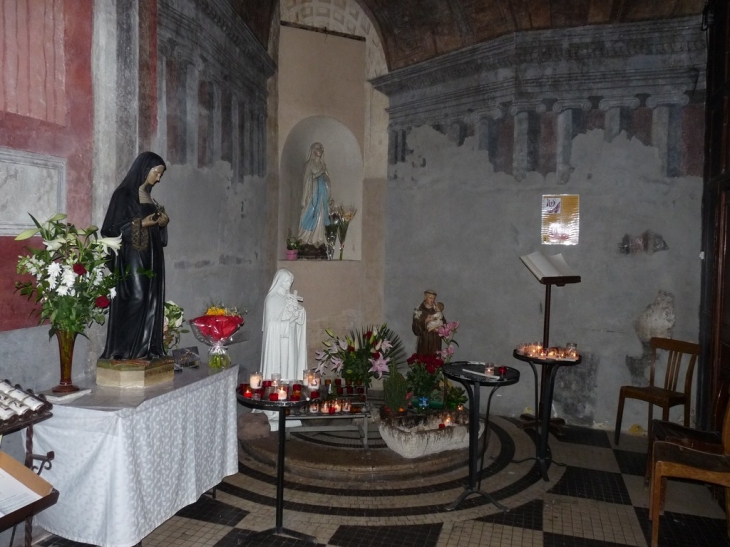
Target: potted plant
395 393
423 377
292 246
362 354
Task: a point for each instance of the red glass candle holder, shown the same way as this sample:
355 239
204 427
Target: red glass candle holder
349 390
266 383
502 371
273 396
338 381
339 391
314 394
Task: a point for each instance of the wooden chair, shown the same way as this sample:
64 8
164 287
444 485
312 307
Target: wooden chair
677 461
666 396
706 441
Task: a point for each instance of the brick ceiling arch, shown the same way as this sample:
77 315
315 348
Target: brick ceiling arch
417 30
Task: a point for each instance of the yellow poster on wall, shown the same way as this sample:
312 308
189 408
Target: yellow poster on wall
560 219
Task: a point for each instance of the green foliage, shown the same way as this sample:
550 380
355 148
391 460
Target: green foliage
292 243
70 279
395 391
173 325
424 374
362 354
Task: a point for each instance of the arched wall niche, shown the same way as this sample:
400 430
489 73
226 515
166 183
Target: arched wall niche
344 165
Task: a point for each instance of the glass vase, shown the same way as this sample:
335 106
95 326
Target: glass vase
218 357
342 232
331 239
66 341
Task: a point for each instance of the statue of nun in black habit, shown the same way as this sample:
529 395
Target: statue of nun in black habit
135 322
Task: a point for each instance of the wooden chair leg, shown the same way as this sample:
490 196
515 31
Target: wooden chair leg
619 416
655 504
727 510
649 462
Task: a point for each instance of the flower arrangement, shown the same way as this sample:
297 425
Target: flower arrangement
447 333
361 355
217 328
173 325
72 283
292 242
330 230
425 372
346 214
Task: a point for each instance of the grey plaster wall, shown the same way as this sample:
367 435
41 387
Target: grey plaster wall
478 136
456 225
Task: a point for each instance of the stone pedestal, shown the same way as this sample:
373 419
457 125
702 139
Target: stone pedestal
414 438
134 373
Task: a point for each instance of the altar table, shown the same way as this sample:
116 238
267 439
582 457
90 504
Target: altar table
128 459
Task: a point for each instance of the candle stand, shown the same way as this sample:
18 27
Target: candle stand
281 407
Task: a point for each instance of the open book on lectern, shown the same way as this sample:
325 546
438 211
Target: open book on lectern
552 270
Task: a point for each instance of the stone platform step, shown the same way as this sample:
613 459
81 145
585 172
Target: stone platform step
316 455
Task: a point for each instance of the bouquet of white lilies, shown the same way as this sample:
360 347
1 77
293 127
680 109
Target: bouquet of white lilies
71 281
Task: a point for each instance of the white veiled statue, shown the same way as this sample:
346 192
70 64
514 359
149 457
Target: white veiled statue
284 345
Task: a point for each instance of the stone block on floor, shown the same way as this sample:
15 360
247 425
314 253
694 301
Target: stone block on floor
253 425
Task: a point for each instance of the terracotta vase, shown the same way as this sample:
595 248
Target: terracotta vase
66 341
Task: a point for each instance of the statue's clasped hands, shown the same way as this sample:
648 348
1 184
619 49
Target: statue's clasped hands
156 219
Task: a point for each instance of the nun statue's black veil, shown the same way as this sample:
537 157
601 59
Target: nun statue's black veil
136 314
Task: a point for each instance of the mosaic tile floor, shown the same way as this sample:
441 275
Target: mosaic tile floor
596 498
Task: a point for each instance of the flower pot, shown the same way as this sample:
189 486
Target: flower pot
421 402
66 341
414 436
291 254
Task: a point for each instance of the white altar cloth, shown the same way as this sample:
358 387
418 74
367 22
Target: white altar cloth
128 460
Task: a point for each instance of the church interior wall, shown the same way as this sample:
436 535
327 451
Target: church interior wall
464 195
206 116
469 155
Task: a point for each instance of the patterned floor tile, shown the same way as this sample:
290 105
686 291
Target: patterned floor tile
598 500
591 484
421 535
528 515
631 463
681 530
211 510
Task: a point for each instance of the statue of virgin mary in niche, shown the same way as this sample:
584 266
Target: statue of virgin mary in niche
315 198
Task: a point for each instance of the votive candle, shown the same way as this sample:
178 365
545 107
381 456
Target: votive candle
255 380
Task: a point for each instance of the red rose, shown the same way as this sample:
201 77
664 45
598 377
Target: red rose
101 302
79 269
